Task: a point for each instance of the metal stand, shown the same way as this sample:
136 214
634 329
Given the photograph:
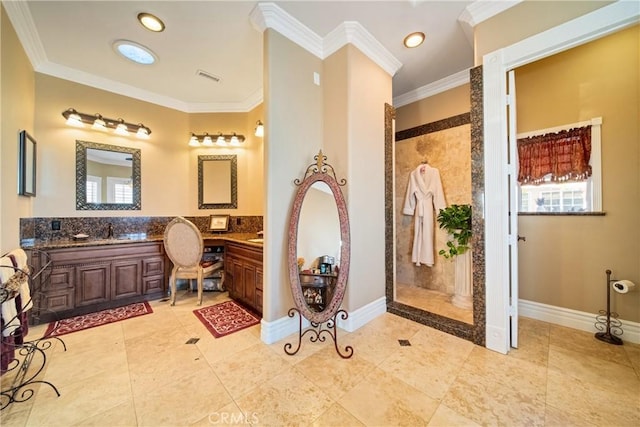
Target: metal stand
317 333
607 322
19 381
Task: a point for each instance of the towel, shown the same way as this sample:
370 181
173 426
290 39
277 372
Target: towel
25 293
8 310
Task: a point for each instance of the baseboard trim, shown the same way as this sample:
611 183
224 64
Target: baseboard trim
271 332
363 315
573 319
279 329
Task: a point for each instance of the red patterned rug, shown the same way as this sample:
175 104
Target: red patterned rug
225 318
99 318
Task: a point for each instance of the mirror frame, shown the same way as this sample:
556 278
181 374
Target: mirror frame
81 177
233 178
319 174
27 157
475 332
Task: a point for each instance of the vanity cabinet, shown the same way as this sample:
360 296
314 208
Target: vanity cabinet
91 278
243 274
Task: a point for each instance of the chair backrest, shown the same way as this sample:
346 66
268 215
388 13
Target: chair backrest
183 243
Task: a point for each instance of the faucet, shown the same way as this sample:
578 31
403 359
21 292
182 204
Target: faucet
110 231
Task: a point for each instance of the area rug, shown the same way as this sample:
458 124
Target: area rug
99 318
225 318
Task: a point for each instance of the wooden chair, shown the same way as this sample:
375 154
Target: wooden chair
184 245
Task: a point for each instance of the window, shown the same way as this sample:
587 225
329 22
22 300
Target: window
119 190
94 189
567 191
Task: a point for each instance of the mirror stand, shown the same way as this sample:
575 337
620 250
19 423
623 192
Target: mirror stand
319 254
318 332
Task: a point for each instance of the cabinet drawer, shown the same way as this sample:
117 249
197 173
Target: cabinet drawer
152 284
59 300
60 278
152 266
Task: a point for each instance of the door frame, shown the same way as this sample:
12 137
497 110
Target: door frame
599 23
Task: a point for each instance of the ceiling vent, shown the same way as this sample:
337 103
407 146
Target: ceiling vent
208 76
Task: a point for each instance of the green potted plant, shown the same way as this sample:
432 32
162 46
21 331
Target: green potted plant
456 220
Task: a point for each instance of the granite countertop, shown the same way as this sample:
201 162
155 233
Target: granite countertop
250 239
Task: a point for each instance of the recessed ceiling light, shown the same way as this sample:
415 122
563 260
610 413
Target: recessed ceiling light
414 39
134 52
151 22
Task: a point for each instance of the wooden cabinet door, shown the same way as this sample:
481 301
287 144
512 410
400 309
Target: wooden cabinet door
238 278
92 284
249 291
126 279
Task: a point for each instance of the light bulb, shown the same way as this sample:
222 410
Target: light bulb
193 141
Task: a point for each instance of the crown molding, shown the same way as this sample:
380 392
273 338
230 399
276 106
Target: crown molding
481 10
353 32
450 82
245 106
269 15
22 21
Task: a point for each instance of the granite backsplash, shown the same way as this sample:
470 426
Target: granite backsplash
42 228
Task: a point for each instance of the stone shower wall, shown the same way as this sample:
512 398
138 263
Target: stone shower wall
445 145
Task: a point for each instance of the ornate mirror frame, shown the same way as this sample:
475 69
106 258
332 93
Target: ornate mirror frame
233 182
475 332
81 177
319 172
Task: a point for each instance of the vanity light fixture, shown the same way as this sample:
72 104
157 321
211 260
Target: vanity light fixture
221 140
96 121
414 39
151 22
259 129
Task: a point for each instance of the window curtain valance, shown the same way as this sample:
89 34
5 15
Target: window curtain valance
565 155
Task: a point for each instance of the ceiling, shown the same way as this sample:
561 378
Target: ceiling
74 40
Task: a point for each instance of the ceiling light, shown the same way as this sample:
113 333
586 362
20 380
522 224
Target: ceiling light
151 22
414 39
259 129
98 122
134 52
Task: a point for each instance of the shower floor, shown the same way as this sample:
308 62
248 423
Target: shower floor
433 301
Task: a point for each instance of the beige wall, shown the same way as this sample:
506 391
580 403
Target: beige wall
169 166
293 135
437 107
17 91
368 89
527 19
563 261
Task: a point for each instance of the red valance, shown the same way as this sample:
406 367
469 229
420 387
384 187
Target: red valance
565 155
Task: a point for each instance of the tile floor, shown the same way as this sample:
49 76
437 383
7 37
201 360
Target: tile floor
140 372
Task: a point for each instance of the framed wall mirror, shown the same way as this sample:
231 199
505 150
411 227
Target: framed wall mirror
26 165
218 182
468 322
107 177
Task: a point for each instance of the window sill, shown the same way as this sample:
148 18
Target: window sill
599 213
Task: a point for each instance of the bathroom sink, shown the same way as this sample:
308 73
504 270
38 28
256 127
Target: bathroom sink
259 240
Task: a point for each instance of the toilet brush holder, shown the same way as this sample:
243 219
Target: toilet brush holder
607 322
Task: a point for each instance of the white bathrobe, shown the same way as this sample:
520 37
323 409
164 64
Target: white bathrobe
424 196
